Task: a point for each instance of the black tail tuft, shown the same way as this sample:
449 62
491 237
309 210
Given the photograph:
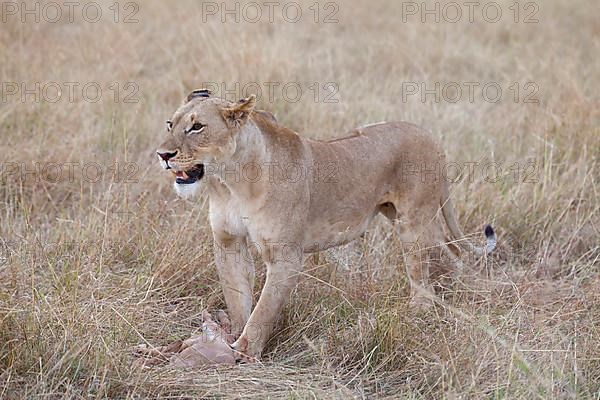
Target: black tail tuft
490 238
489 231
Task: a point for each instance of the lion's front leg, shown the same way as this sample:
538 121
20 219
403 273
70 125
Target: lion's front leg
236 273
283 271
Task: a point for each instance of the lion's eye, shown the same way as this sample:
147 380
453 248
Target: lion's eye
169 125
197 127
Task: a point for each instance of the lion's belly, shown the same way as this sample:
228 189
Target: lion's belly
325 233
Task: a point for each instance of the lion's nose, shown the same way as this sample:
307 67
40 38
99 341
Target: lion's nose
166 155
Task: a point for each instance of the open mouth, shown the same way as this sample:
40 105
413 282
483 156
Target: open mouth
191 176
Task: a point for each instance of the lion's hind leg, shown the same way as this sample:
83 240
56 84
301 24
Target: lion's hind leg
423 243
429 260
416 263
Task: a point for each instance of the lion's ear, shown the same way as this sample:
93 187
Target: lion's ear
198 93
238 114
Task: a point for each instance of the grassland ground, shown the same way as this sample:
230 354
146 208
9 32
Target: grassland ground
97 254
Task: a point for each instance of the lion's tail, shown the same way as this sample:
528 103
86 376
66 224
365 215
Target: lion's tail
450 217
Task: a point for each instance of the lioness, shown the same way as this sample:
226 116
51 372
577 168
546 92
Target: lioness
244 158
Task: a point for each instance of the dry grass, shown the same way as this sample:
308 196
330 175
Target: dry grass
88 269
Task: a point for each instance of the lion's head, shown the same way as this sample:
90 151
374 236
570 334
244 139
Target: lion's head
202 132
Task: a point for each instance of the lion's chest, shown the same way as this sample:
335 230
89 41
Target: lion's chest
228 216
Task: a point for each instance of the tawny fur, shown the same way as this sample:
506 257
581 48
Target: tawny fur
290 195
